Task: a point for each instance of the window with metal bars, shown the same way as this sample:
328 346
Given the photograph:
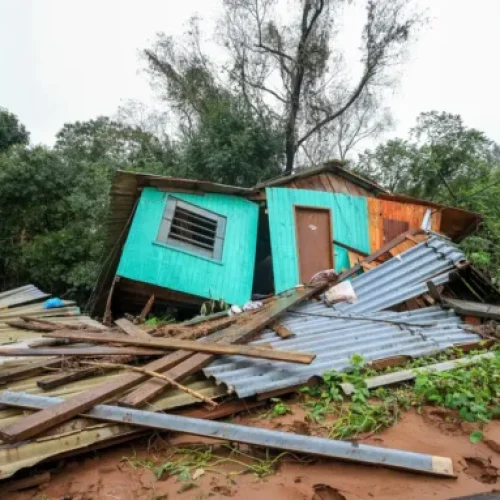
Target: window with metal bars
192 228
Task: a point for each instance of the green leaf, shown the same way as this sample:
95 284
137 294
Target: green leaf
476 436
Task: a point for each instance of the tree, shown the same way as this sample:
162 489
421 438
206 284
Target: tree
290 72
298 65
445 161
221 138
114 145
53 202
12 132
231 146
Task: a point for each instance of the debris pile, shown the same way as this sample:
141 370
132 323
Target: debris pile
72 384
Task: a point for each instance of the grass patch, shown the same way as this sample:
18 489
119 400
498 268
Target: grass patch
188 464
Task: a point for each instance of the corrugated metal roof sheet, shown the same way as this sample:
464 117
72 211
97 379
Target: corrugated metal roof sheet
404 276
334 340
21 295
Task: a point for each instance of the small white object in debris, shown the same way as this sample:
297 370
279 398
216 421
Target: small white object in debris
312 227
249 306
235 310
343 292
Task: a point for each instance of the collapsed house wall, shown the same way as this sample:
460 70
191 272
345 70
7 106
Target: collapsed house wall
148 260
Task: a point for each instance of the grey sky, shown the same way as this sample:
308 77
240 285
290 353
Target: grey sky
68 60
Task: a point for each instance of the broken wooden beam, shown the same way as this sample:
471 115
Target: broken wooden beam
288 441
38 422
234 334
282 331
130 329
45 419
65 378
146 310
153 388
152 374
469 308
189 345
27 370
377 254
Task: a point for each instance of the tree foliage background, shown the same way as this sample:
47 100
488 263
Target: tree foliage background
279 93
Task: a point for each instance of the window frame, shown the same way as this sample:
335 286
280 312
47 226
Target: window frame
164 237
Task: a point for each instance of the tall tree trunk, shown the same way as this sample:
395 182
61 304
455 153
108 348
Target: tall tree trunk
290 144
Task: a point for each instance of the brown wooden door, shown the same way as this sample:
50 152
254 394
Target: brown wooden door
314 241
393 228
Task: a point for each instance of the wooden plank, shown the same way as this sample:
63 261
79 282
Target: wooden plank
469 308
27 370
146 310
79 351
282 331
325 183
237 333
65 378
130 329
189 345
153 387
376 255
351 249
45 419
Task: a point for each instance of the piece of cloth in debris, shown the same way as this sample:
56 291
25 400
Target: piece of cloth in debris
343 292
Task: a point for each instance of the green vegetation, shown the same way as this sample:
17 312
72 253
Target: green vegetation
188 464
472 391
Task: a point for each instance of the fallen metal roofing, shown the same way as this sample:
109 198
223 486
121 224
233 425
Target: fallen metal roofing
334 339
21 295
320 446
404 276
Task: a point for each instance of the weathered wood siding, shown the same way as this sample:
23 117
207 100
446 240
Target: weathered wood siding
349 221
143 259
378 210
329 182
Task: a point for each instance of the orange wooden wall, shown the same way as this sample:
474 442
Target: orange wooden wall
406 212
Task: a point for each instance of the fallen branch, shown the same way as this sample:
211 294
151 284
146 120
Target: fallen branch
166 378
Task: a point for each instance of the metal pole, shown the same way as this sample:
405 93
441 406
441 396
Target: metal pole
440 466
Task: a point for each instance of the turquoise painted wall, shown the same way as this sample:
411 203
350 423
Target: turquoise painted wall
349 221
230 279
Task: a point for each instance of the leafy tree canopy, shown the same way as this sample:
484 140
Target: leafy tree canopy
11 131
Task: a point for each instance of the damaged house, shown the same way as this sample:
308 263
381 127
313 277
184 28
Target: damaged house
187 241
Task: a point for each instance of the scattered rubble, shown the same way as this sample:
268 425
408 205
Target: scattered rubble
72 384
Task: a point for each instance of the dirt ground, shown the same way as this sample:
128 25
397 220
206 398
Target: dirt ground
117 473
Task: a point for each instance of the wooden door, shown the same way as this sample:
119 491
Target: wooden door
393 228
314 241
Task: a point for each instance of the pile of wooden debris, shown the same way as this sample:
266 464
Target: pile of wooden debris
72 384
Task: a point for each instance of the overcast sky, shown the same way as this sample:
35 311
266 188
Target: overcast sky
68 60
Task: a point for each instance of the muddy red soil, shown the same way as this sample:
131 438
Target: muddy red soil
108 475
